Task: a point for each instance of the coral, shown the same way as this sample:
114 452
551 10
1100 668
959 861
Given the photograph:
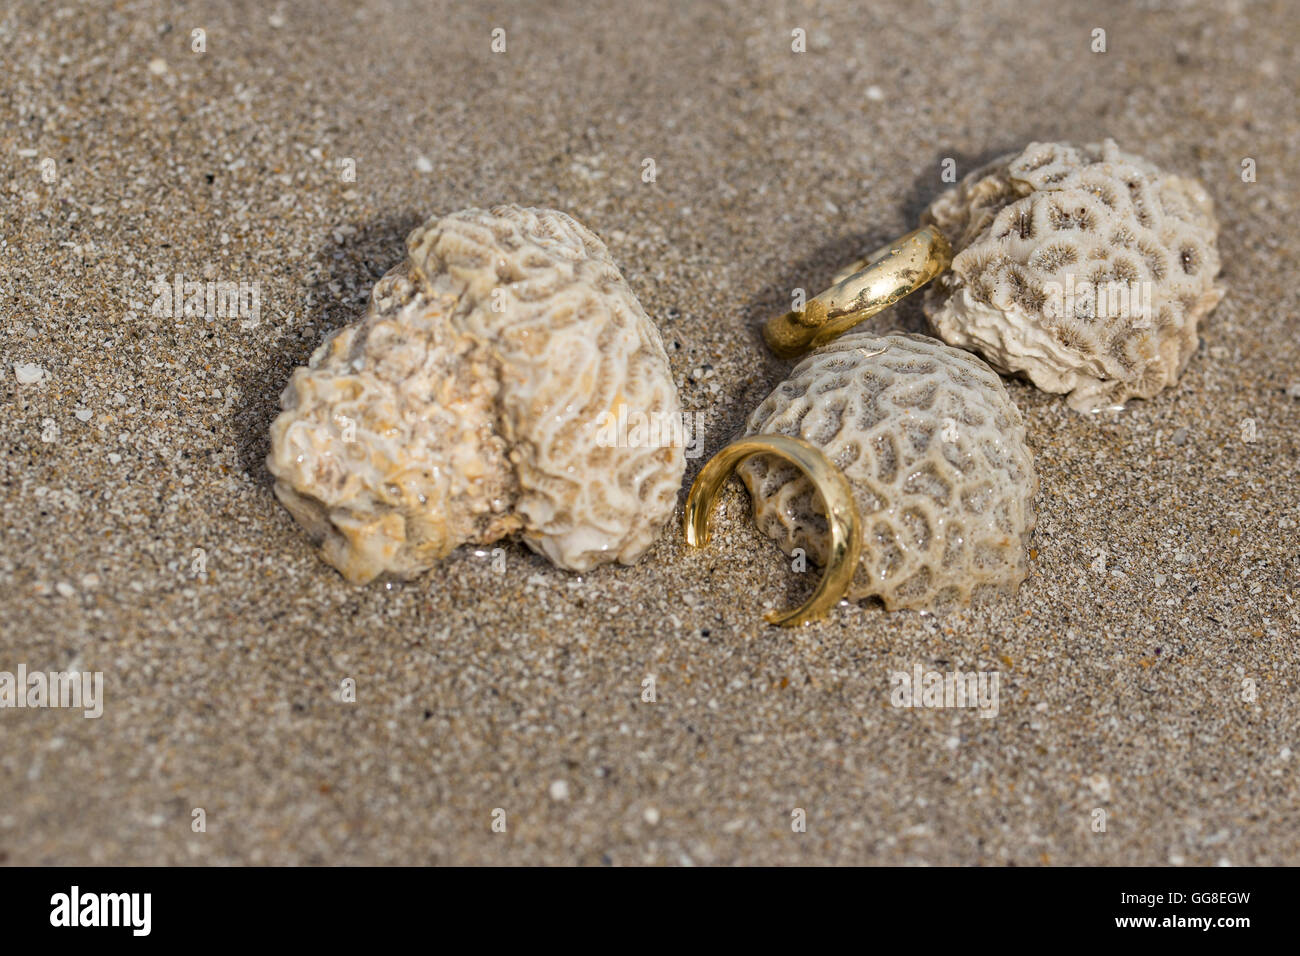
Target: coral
935 453
1085 269
473 401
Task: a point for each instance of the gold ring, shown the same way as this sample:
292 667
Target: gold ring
860 291
841 514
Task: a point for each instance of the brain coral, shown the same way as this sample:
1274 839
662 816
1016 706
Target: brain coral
474 400
1086 269
935 453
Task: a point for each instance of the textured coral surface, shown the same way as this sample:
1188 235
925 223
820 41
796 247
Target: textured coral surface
1123 683
935 452
1086 269
472 399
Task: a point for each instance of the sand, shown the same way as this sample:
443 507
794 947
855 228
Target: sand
1153 691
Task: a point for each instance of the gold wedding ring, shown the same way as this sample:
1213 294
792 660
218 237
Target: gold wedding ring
860 291
841 514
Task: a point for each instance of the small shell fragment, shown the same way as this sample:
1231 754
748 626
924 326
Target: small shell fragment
473 401
935 452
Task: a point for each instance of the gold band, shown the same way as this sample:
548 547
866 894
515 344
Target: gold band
860 291
841 514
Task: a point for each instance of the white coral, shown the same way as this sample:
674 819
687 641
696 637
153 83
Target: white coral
473 400
1086 269
934 450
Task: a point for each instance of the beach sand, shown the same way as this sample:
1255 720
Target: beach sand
1152 690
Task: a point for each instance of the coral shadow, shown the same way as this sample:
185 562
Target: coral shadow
334 295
